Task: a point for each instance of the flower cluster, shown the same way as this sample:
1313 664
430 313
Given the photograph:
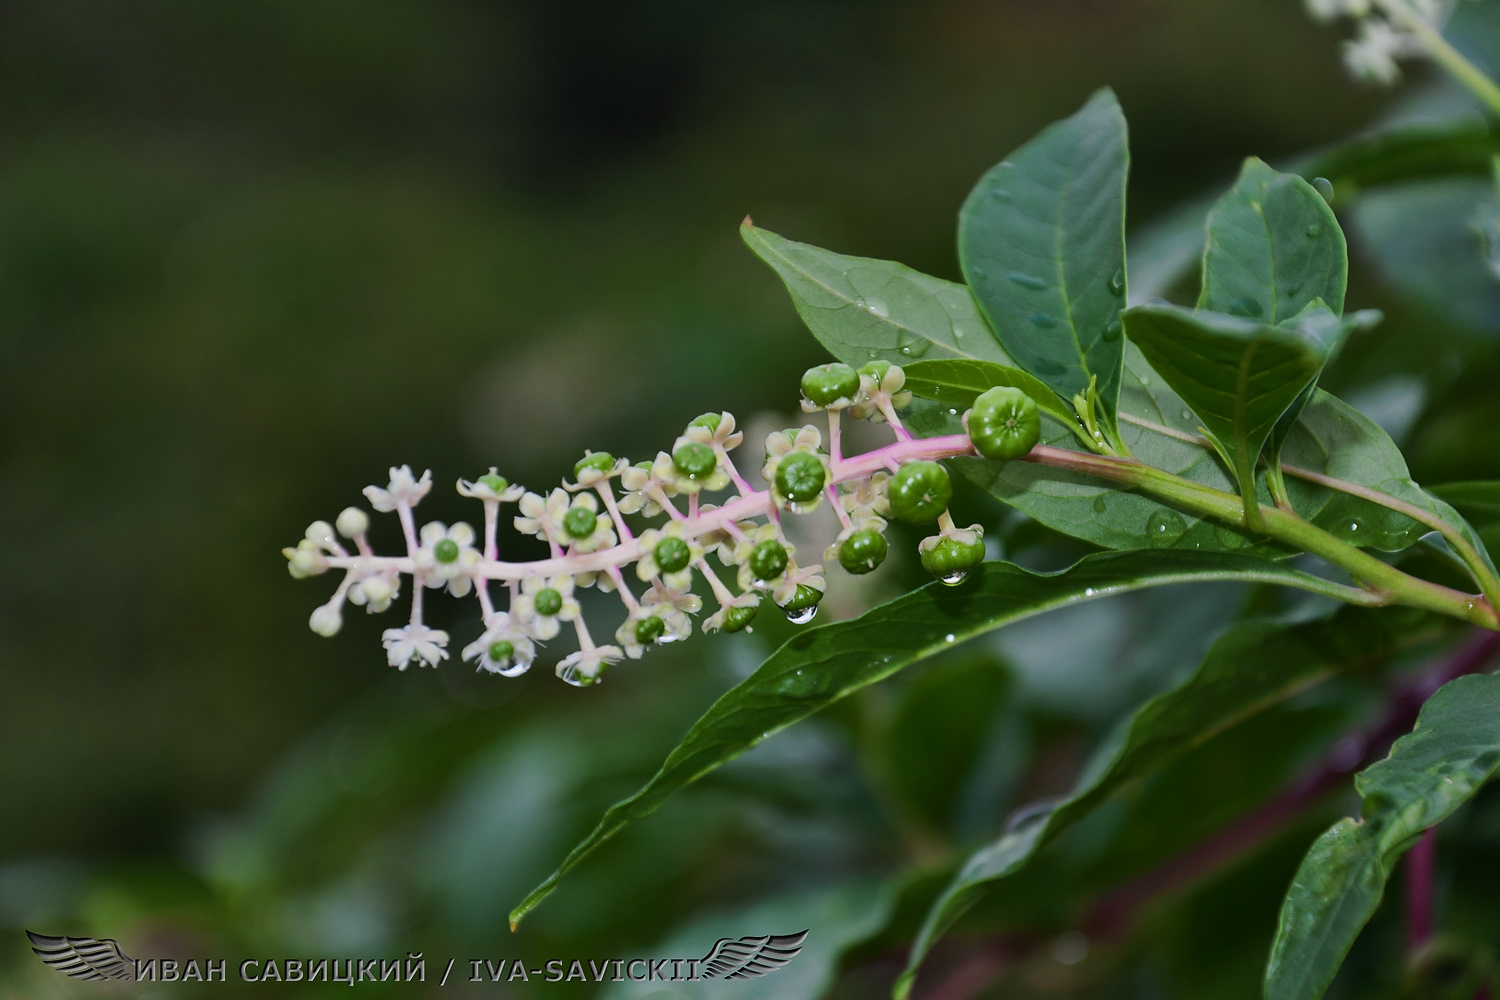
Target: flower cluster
1389 30
591 544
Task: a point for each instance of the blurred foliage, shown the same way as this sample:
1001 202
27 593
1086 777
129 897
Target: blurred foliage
251 255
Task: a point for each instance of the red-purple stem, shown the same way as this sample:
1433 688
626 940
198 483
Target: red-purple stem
1421 863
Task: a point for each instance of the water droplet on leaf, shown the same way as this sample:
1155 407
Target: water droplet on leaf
1164 527
1042 320
1026 280
1000 194
1324 187
1113 330
1099 505
1117 283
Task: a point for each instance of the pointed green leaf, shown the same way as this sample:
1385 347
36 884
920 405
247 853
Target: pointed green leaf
1329 332
1479 501
862 309
822 665
1453 751
957 383
1042 243
1274 246
1238 375
1251 667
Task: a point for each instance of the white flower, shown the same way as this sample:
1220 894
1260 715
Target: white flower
414 642
805 576
491 486
880 382
543 516
594 468
402 489
583 528
447 557
543 603
584 667
505 648
305 560
662 595
1327 10
376 592
746 601
867 498
715 430
680 551
759 533
780 444
1372 56
637 481
692 466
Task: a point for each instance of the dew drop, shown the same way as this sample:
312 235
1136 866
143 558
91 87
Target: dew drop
949 637
1314 229
1000 194
1042 320
1164 527
1088 591
1026 280
1324 187
913 347
1117 284
1145 380
1246 307
953 579
1187 414
802 615
1099 505
877 307
952 412
1113 330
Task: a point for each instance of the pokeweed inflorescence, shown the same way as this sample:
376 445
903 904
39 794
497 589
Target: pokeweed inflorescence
592 544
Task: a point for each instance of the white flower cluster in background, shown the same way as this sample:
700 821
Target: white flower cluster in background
1388 32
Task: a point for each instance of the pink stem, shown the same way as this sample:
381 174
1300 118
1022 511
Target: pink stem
1421 864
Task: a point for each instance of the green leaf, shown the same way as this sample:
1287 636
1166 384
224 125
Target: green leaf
1479 501
1453 751
837 918
1238 375
822 665
863 309
1251 667
1042 243
957 383
1274 247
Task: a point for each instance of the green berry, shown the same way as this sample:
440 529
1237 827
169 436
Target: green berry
648 630
694 460
445 551
950 560
579 522
599 461
800 477
802 605
919 492
672 554
497 483
1004 423
501 651
875 369
863 551
827 384
768 560
736 619
708 420
548 601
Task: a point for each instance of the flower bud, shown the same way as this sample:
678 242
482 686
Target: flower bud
353 522
326 620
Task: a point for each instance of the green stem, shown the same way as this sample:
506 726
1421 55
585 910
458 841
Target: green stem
1385 582
1443 53
1478 567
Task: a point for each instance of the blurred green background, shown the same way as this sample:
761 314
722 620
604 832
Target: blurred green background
251 255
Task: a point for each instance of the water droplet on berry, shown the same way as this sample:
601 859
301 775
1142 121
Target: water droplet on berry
802 616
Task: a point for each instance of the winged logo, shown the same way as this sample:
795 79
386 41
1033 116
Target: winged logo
93 959
750 957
